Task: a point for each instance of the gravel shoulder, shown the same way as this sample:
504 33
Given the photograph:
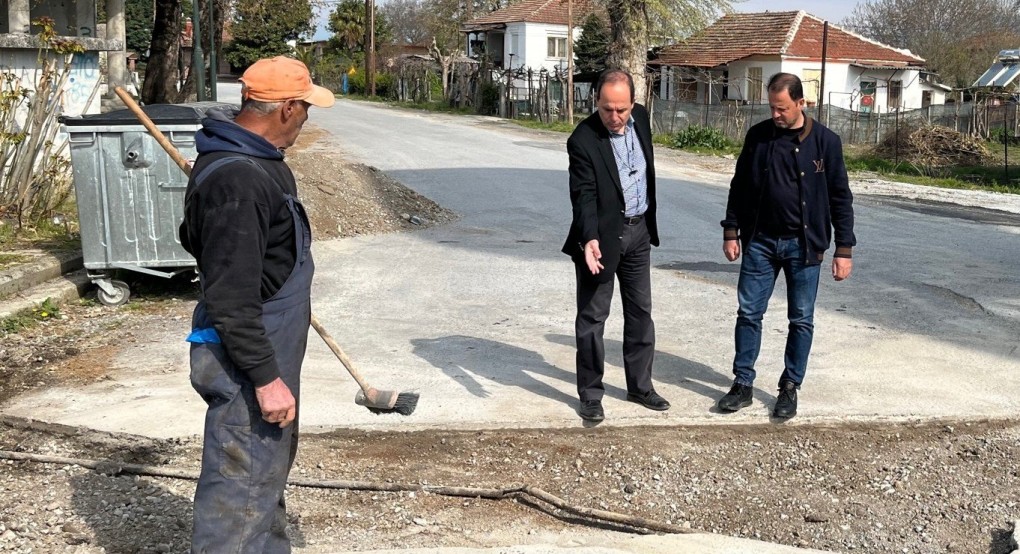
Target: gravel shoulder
924 487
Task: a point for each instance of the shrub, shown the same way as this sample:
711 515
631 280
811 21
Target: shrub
698 136
1000 135
36 176
385 84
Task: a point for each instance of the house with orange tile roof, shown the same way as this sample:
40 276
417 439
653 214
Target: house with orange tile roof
528 34
732 61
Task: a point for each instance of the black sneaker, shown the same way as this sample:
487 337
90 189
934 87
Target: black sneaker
738 397
591 410
786 405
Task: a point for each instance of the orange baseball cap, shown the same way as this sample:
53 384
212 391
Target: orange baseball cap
281 78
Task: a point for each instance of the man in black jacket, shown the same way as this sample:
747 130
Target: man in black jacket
612 190
789 192
251 239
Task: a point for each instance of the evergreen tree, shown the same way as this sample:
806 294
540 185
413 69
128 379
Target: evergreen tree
139 17
592 47
347 23
261 29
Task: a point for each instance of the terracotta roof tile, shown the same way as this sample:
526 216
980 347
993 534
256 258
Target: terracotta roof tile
845 46
786 34
534 11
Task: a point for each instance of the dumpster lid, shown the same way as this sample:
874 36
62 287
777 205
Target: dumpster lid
167 114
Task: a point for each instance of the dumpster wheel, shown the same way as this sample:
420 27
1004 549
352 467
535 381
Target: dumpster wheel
115 293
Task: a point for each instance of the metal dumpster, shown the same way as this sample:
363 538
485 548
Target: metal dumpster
130 193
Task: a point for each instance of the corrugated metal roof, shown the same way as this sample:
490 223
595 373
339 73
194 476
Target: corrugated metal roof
881 66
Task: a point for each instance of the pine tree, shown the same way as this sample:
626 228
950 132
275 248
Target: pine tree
139 16
592 47
261 28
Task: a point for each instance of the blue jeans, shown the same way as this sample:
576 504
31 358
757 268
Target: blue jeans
763 258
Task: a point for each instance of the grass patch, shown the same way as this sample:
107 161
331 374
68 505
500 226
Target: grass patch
26 319
45 234
992 178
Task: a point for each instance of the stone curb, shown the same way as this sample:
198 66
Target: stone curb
70 286
46 267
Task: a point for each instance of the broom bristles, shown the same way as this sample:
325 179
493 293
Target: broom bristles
405 405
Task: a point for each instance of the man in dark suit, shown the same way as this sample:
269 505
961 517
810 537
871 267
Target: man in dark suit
612 190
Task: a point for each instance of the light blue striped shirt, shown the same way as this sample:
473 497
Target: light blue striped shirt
633 168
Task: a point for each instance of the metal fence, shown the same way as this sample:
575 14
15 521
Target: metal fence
983 119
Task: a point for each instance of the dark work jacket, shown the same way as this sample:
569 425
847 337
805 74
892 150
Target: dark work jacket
825 198
239 229
597 195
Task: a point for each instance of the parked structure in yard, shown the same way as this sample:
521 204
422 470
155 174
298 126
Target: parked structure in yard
731 60
1004 75
19 46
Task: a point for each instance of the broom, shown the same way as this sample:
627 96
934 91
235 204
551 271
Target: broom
377 401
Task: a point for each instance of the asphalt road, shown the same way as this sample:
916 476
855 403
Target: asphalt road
477 316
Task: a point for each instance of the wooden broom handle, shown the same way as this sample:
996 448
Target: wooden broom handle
348 364
156 133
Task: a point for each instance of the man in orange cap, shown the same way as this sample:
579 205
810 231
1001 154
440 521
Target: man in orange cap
249 234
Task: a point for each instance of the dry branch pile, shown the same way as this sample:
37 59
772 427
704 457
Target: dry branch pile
932 148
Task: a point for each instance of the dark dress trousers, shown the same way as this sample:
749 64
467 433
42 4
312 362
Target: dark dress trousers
596 195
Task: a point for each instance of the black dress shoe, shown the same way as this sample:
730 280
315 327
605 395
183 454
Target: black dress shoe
591 410
738 397
786 405
650 400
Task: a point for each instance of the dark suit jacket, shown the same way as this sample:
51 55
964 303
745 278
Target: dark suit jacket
596 193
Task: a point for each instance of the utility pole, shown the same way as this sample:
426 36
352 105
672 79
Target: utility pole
821 85
197 58
370 47
570 62
212 50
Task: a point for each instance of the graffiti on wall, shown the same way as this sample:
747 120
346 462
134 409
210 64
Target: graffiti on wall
81 83
21 70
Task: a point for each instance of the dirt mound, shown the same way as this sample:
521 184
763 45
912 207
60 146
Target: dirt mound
345 199
933 147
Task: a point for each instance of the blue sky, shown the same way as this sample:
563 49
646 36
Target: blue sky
833 10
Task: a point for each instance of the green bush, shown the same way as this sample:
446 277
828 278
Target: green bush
1000 135
697 136
385 84
490 99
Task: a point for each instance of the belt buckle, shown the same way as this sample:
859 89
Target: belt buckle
633 220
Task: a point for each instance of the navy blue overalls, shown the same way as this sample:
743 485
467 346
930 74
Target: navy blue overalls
239 505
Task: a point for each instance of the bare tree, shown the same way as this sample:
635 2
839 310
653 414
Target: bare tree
631 22
407 21
445 62
958 38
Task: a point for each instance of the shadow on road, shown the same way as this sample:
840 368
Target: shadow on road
672 370
468 359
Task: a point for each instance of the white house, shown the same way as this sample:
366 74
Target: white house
531 34
733 59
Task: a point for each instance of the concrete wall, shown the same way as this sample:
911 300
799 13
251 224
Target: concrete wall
84 77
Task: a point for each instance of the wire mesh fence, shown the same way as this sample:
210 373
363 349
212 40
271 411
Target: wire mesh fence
985 119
